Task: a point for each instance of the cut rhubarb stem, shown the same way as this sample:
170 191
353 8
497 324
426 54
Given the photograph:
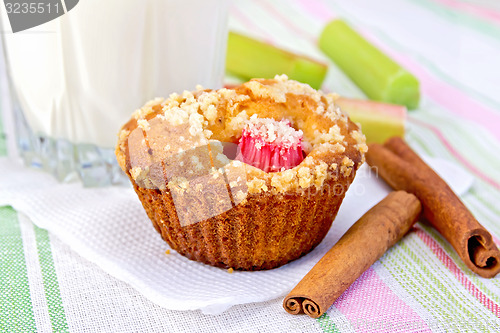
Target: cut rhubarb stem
270 145
379 77
249 58
379 121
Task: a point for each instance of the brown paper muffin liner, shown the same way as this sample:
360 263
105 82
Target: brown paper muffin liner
264 231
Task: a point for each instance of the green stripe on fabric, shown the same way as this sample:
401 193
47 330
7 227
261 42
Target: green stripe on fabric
405 268
428 141
447 78
16 309
408 263
453 254
435 69
3 145
477 155
3 138
485 4
474 152
485 198
484 212
485 216
326 324
489 204
50 283
470 21
428 64
452 291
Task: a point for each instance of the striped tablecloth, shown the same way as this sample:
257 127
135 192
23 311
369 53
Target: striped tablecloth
420 285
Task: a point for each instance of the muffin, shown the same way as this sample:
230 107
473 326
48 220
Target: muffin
250 177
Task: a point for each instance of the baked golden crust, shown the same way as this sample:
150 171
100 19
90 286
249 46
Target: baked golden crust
263 232
243 217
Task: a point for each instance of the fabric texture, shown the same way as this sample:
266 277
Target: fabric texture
109 227
51 280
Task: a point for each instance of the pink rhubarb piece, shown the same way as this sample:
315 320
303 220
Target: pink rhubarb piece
270 145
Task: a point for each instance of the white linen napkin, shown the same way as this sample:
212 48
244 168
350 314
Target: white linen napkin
109 227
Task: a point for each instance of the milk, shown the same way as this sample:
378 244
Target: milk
80 76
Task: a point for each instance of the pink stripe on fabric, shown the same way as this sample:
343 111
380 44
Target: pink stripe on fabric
448 262
450 97
442 93
286 22
482 12
318 9
455 152
453 98
250 25
371 306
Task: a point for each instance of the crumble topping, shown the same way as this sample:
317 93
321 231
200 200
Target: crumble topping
240 196
143 124
257 185
216 173
333 135
223 159
346 167
176 116
327 146
333 112
237 123
195 160
284 181
305 177
321 172
271 131
179 184
122 138
227 112
135 172
273 92
154 101
142 112
360 141
207 101
237 164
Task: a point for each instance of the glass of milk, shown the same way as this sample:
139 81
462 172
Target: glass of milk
76 80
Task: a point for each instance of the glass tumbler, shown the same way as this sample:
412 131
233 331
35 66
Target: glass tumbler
75 80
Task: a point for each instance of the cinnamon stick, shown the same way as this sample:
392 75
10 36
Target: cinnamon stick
403 169
363 244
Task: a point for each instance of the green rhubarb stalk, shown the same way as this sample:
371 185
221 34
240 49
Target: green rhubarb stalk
249 58
379 121
379 77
